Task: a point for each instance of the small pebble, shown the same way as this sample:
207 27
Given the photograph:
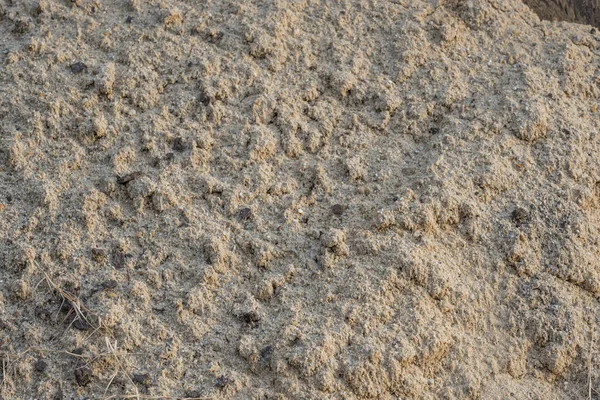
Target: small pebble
520 215
245 214
110 284
204 99
83 375
179 144
41 365
222 381
78 351
193 394
128 19
338 209
119 259
266 353
81 324
141 379
251 318
78 67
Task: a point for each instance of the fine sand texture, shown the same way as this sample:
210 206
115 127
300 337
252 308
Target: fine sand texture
299 199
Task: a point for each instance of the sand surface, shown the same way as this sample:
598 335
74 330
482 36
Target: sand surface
298 199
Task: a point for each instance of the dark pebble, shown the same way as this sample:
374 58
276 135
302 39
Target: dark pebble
520 215
119 259
78 67
266 353
141 379
338 209
193 394
395 199
110 284
78 351
179 144
222 381
66 307
128 19
129 177
593 31
41 365
81 324
251 318
203 98
245 214
83 375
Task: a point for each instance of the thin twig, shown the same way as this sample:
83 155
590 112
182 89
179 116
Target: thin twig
113 349
74 302
4 374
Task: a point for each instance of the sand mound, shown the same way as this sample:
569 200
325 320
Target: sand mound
297 200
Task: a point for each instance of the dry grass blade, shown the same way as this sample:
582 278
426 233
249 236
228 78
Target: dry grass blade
112 348
73 301
3 375
8 361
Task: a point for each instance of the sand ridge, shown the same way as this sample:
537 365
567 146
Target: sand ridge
297 200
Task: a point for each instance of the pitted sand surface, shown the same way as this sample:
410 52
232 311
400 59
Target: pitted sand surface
298 200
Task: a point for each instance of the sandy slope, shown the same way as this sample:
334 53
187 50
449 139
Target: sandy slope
298 200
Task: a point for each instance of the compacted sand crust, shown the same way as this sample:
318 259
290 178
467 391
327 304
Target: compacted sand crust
298 200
